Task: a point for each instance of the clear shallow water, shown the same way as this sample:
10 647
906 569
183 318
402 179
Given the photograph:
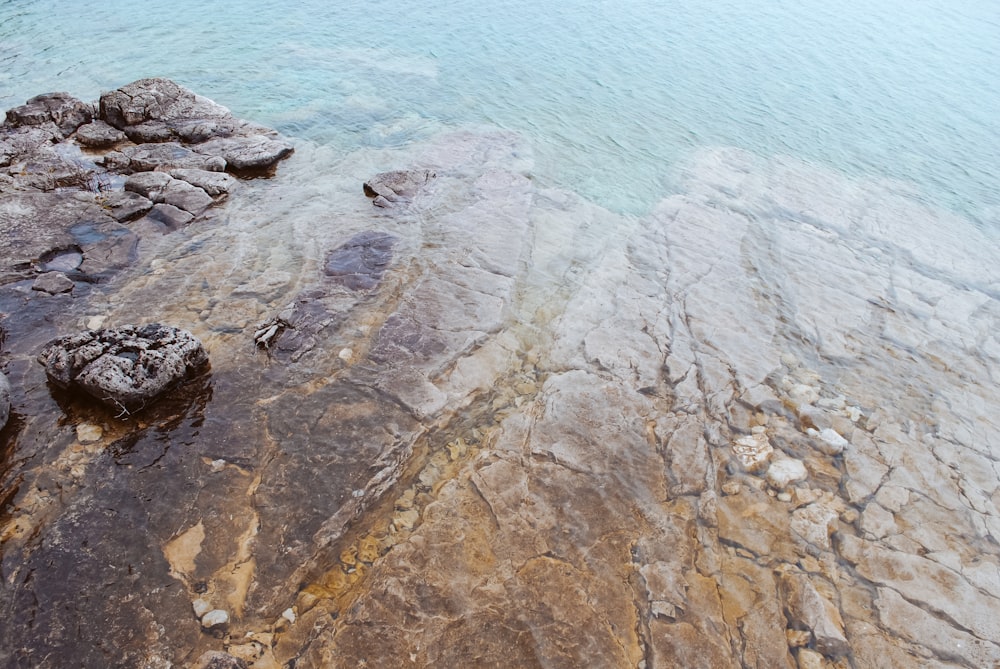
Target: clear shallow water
609 94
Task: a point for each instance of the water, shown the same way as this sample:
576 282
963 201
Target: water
611 95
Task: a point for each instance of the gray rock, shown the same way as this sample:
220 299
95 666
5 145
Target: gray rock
124 367
255 153
396 186
4 400
63 109
164 156
360 263
99 135
213 183
53 283
148 184
215 618
126 205
214 659
34 224
171 217
148 100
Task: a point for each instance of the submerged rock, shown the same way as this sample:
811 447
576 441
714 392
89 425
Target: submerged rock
360 263
396 186
124 367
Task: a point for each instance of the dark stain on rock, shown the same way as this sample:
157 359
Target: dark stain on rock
360 263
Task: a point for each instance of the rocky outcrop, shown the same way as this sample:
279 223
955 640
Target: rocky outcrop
63 164
125 367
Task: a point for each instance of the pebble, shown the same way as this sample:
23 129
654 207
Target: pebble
214 618
96 322
784 496
201 607
345 354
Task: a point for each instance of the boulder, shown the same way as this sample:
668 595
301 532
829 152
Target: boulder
4 400
53 283
126 205
396 186
124 367
213 183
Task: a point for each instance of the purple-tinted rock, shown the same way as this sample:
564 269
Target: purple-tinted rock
52 283
360 263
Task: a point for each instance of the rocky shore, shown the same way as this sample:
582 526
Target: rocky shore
481 423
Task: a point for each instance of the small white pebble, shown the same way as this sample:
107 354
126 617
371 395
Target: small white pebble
288 615
201 607
218 465
95 322
345 354
784 497
214 619
87 433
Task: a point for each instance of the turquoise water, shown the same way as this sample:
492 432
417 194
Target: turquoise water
610 95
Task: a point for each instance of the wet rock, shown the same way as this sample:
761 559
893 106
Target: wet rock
808 610
62 109
35 224
214 659
213 183
4 400
160 187
398 186
99 135
124 367
161 156
360 263
53 283
126 206
247 155
170 217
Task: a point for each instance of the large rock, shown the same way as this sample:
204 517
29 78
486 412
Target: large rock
124 367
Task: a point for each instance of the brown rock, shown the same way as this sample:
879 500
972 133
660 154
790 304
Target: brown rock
807 609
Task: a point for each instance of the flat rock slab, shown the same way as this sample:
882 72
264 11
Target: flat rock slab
124 367
4 400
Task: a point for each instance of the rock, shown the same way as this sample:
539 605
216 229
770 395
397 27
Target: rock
214 659
785 471
753 452
214 618
252 154
124 367
126 206
396 186
213 183
4 400
99 135
153 99
62 109
36 225
161 156
814 523
53 283
200 607
171 217
360 263
160 187
808 610
810 659
833 443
